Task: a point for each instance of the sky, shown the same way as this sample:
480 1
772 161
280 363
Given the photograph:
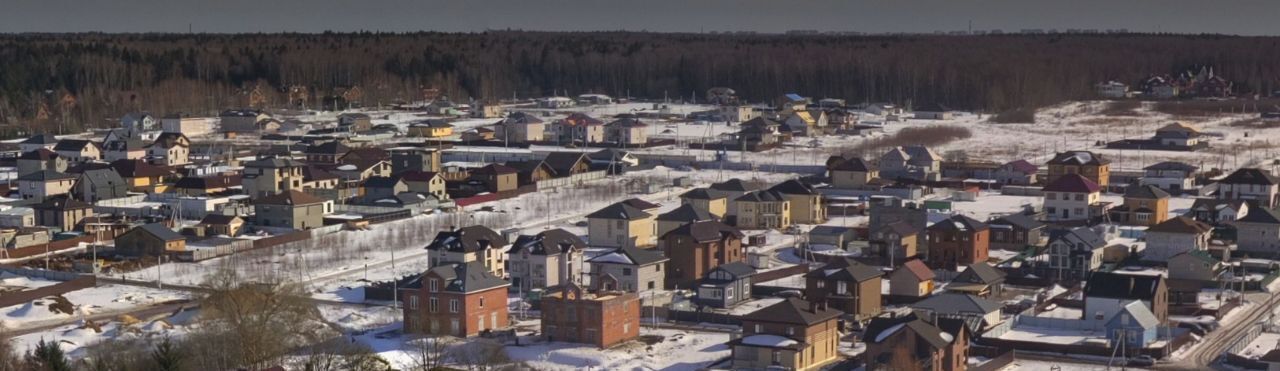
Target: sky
1242 17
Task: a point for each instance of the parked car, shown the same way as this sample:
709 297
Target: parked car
1142 361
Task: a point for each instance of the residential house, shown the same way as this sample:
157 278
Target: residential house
550 258
475 243
479 134
356 171
150 239
521 127
1143 206
76 150
40 160
100 184
495 178
326 153
979 314
1177 134
456 299
1176 236
1250 184
758 134
903 342
186 124
139 121
1084 163
767 209
1258 233
707 200
628 269
1174 177
127 145
169 149
601 318
382 187
933 111
698 247
1106 293
852 173
830 235
355 122
894 242
680 216
206 185
1075 252
44 184
222 225
1198 268
38 141
432 128
270 176
314 177
792 334
621 224
564 164
1072 197
626 131
846 285
979 279
1133 325
913 280
805 202
802 123
405 159
725 286
911 162
291 209
426 183
1016 232
531 171
18 217
959 240
731 189
1017 172
61 212
578 127
1218 212
241 120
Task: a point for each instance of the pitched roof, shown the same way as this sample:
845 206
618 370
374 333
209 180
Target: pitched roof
42 154
768 195
734 185
629 256
46 175
845 269
854 164
901 228
1085 235
563 162
1260 215
933 107
548 242
494 169
1250 176
273 162
793 187
463 277
1022 166
706 230
61 203
1073 183
1078 158
315 173
881 328
72 145
160 231
381 182
956 303
1021 221
522 118
1122 286
467 240
1181 224
959 222
619 211
208 182
581 119
41 139
218 219
138 169
290 197
328 148
737 269
701 194
170 139
917 269
980 273
418 176
793 311
102 177
685 213
1172 165
1146 192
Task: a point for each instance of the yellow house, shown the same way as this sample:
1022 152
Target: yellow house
765 209
852 173
806 203
714 203
623 224
434 128
791 335
142 176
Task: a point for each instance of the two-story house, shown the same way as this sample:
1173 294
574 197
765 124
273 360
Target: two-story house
911 281
725 286
911 162
269 176
1172 176
467 244
1074 253
1084 163
170 149
550 258
455 299
291 209
806 203
1176 236
1072 197
698 247
570 313
959 240
906 342
1258 233
1146 205
766 209
622 224
520 127
846 285
628 269
1016 232
793 334
851 173
1250 184
1106 293
75 150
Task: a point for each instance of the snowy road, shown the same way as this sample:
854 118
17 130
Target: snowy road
1208 349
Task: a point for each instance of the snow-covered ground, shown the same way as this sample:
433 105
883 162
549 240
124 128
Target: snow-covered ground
1038 365
87 301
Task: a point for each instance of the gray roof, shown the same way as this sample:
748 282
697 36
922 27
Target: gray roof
829 230
1256 215
1148 192
980 273
793 311
737 269
1020 221
955 303
46 175
273 162
102 177
793 187
629 256
1140 314
548 242
160 231
768 195
1090 237
619 211
685 213
845 269
468 239
463 277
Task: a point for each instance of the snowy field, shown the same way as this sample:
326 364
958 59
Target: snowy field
89 301
1038 365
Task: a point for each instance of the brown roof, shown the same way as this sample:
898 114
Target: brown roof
918 269
1181 224
290 197
1073 183
138 168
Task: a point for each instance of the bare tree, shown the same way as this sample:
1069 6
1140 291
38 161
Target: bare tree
258 322
429 353
482 355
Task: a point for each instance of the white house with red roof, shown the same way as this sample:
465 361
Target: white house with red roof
1072 197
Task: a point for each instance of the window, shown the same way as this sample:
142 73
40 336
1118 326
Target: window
493 319
651 285
453 305
626 271
413 302
433 305
759 328
728 293
482 302
480 324
820 284
842 288
434 284
791 330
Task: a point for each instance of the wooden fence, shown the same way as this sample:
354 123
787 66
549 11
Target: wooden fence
23 297
29 251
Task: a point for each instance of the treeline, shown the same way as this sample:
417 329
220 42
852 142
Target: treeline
77 80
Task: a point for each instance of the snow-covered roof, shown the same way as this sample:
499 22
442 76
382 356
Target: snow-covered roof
766 340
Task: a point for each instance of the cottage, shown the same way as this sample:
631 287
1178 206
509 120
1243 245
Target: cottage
44 184
681 216
1107 293
206 185
169 149
433 128
628 269
291 209
495 178
475 243
916 342
846 285
124 146
1133 325
1174 177
327 152
270 176
550 258
1258 233
621 224
564 164
933 112
427 183
833 236
1084 163
601 318
75 150
911 162
626 131
895 242
1198 267
221 225
1017 172
456 299
578 128
805 202
100 184
852 173
707 200
767 209
139 121
1176 236
1218 212
1178 135
404 159
142 176
382 187
521 127
725 286
1072 197
792 334
61 212
150 239
1075 252
186 124
959 240
355 122
40 160
1249 184
698 247
912 281
978 313
979 279
37 142
1016 232
1143 206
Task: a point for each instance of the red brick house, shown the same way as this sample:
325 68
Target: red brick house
698 247
911 342
846 285
957 241
602 318
457 299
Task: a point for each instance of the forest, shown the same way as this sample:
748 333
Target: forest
63 82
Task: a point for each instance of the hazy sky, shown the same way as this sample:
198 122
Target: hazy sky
1247 17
